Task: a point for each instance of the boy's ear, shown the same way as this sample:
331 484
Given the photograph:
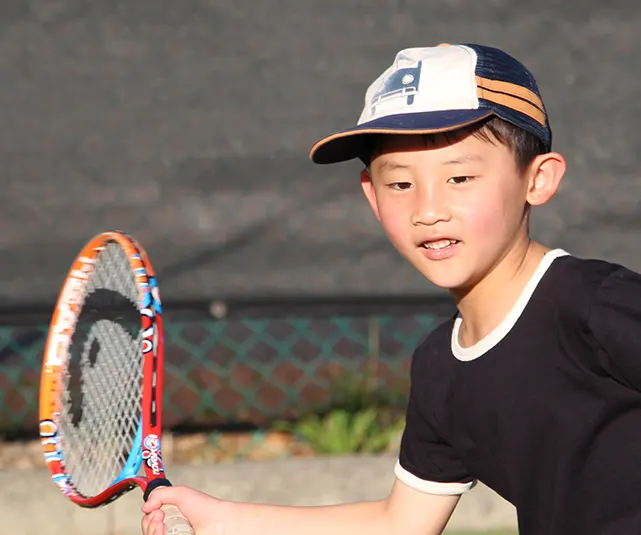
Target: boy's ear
370 193
546 173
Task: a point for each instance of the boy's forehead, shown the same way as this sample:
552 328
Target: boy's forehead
442 146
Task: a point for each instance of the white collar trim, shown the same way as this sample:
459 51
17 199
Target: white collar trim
500 331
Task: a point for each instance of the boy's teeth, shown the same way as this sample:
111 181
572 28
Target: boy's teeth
438 244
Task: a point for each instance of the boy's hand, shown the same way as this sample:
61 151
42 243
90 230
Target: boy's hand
202 511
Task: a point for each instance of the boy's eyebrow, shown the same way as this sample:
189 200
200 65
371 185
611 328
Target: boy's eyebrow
465 158
387 165
390 166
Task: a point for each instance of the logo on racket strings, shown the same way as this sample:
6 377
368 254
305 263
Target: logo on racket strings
151 453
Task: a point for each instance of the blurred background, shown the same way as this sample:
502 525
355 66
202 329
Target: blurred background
188 124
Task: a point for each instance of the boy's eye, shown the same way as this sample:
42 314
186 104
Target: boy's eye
400 185
459 179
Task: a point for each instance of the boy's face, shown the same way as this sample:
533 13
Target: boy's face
452 208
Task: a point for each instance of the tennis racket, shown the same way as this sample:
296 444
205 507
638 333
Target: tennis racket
102 379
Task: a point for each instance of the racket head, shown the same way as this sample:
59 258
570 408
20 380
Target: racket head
102 374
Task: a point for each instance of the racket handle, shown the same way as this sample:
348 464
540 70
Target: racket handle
175 522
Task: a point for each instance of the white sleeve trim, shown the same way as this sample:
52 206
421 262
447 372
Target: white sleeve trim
430 487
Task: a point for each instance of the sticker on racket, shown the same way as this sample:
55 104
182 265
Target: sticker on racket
102 379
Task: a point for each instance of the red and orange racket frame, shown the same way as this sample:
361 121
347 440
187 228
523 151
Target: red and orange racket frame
62 326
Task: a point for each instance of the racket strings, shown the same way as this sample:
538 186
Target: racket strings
102 408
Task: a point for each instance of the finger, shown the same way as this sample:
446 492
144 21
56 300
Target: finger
144 524
149 507
150 521
159 529
156 525
156 499
158 517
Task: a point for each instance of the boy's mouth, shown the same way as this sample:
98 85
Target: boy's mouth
440 249
439 244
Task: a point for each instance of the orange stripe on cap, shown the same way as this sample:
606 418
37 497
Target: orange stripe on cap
515 103
509 89
518 105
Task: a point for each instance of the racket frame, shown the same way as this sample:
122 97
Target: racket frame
146 450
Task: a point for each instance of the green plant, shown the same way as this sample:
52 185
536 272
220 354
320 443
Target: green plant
363 414
365 387
342 432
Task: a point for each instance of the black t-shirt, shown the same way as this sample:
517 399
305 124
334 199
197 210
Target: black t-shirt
545 410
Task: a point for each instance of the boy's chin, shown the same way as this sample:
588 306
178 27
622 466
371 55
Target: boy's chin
447 279
450 286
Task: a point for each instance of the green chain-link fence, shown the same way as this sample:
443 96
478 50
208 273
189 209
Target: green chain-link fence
255 370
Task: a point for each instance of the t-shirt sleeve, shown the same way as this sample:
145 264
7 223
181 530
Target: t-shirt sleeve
426 462
615 322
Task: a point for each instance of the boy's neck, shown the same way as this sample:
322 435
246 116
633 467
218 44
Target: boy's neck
486 305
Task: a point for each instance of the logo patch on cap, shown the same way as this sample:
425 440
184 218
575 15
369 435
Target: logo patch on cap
403 83
422 80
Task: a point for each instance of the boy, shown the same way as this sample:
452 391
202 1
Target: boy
534 387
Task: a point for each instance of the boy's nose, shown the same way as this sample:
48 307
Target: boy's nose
431 206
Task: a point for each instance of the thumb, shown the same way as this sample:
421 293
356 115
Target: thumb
160 497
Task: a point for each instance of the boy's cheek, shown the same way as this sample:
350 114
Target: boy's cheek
397 233
482 217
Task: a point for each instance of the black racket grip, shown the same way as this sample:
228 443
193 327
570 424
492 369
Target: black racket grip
153 485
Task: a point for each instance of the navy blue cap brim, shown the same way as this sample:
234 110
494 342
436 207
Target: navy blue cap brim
355 142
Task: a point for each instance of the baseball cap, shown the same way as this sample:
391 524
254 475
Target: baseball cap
438 89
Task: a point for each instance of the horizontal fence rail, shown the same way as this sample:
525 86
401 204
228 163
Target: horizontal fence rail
259 363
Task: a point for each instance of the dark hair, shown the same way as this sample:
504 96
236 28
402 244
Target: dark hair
524 145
